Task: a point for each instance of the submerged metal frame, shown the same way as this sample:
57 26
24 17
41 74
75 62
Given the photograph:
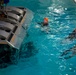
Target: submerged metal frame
13 27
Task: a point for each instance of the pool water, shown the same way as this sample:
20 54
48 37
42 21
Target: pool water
46 48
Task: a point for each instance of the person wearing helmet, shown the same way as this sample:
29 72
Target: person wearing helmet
44 25
45 22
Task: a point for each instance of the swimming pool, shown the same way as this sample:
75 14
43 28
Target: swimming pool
44 57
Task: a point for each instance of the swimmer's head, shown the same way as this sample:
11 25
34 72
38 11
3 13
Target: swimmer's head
45 20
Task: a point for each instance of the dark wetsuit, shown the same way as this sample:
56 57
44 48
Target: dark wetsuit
45 27
72 35
74 32
70 53
43 24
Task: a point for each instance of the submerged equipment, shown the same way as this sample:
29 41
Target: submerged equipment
13 24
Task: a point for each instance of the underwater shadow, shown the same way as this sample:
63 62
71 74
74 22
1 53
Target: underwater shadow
28 50
8 56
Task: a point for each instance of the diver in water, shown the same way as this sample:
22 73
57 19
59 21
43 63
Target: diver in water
69 53
72 35
45 25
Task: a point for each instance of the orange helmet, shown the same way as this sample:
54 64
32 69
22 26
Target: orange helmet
46 19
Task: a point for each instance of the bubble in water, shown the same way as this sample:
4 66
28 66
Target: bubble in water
52 54
70 68
62 67
37 26
66 74
65 8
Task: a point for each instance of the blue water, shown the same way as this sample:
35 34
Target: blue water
44 59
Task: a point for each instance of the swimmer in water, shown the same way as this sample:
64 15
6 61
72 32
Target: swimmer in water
44 25
69 53
72 35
